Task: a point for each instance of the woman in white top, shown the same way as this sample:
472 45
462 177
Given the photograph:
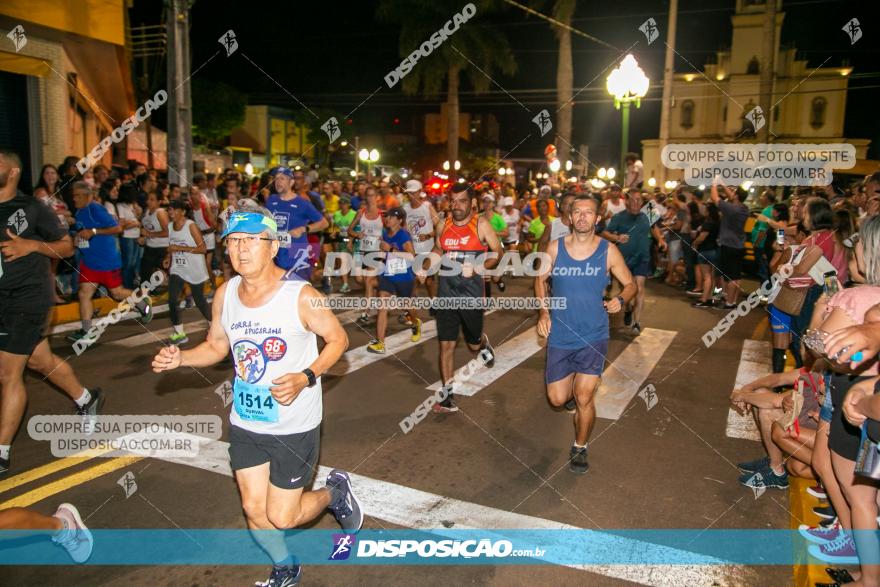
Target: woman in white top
186 263
369 221
154 234
128 212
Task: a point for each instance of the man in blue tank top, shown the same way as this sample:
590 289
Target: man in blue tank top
578 333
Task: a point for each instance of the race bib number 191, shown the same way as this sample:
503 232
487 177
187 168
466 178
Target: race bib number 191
254 402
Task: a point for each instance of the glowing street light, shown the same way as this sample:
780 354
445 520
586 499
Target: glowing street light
611 173
652 182
627 83
374 155
602 173
364 155
568 165
249 169
555 165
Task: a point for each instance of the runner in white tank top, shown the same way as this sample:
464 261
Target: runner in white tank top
369 237
271 326
186 264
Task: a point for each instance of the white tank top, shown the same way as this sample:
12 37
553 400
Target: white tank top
372 230
418 222
151 223
611 208
202 223
191 267
268 342
126 212
512 221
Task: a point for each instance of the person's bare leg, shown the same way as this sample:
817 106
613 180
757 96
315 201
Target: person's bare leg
766 418
732 291
382 320
821 463
862 498
59 372
707 283
559 392
799 449
253 484
13 398
291 508
585 414
447 360
25 519
85 294
640 298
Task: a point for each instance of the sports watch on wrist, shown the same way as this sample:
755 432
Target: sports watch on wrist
311 375
622 301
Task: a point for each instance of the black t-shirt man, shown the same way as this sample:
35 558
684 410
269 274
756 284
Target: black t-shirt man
25 282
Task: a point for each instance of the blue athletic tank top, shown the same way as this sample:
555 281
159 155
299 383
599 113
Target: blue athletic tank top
582 284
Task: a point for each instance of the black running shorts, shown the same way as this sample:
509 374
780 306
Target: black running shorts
23 323
292 458
469 322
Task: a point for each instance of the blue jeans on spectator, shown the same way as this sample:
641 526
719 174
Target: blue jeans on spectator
131 260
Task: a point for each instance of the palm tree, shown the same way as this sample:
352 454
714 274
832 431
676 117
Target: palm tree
473 50
563 11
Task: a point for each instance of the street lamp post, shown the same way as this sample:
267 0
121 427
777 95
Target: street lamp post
628 84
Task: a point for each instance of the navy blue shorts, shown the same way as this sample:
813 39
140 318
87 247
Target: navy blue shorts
589 360
639 267
401 289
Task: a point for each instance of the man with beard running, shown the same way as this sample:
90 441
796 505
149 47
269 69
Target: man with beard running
270 320
462 237
578 333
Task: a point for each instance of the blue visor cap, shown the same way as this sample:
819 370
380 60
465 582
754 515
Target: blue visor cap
284 171
249 223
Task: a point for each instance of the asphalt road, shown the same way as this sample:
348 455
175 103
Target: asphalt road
501 461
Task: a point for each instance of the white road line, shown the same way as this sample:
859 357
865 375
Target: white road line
754 362
360 357
420 510
507 356
159 335
623 378
71 326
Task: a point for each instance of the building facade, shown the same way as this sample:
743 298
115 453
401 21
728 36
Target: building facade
809 103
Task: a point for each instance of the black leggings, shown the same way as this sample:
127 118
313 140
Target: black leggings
175 288
151 261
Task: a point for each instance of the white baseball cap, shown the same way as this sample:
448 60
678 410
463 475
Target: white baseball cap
413 186
508 201
545 188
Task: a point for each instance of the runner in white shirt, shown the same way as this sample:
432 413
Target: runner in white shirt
271 326
420 221
369 220
206 221
614 204
186 264
512 218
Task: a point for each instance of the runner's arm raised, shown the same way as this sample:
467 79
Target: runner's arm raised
212 351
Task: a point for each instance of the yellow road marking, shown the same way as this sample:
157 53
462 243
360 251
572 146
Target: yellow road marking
48 469
760 330
55 487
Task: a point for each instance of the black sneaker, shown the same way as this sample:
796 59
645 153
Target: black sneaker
326 287
4 466
706 304
501 286
577 460
627 318
825 512
145 309
447 406
94 405
840 576
754 466
637 328
363 319
346 506
829 522
487 353
728 306
282 576
571 406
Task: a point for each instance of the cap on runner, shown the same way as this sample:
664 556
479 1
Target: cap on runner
250 223
413 186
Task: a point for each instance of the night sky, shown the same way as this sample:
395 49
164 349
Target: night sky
335 54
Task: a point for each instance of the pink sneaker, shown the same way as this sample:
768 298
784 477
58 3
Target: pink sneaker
841 551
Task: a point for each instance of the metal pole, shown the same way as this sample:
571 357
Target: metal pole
666 104
179 110
357 157
624 140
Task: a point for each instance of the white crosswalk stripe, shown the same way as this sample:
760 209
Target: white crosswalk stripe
754 362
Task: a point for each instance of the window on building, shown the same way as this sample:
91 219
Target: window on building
687 114
817 112
754 67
